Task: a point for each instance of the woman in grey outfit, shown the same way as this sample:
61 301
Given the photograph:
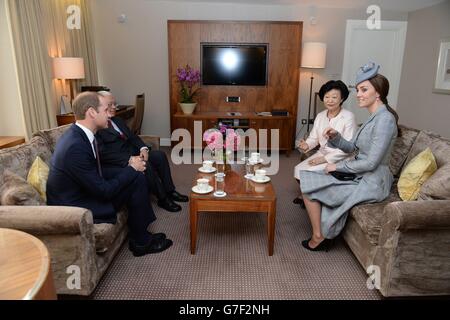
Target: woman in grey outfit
328 195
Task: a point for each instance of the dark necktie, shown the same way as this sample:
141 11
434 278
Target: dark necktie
97 155
122 135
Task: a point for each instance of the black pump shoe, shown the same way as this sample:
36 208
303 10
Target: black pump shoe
300 202
324 245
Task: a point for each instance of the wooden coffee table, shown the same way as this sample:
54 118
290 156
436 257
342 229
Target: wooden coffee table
243 196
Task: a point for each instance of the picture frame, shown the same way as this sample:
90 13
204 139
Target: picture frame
442 81
65 105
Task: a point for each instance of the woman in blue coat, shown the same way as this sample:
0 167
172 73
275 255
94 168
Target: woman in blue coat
366 177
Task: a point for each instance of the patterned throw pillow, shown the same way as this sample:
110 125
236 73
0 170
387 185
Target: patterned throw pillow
416 172
16 191
38 175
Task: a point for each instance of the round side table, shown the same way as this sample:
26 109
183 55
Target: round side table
25 270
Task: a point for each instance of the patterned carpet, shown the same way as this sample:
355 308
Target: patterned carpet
231 261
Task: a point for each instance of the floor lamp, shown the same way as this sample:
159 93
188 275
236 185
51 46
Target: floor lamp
313 57
68 69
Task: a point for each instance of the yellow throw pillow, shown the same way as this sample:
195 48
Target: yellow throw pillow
417 171
38 175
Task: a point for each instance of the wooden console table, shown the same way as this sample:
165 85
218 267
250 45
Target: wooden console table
125 113
10 141
208 120
25 270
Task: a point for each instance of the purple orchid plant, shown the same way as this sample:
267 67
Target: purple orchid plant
188 78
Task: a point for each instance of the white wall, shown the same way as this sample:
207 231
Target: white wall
133 57
418 106
11 119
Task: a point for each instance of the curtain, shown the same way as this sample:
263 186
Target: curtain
39 33
33 65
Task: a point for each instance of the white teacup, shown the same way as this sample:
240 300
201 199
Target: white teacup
260 174
255 156
202 184
207 165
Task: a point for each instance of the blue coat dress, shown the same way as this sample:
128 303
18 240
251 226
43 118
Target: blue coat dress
372 146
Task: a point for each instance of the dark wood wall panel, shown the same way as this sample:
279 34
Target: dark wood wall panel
284 40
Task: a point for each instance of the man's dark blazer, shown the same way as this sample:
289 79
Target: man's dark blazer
114 150
74 179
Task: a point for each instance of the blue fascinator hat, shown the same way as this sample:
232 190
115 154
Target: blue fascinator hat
366 72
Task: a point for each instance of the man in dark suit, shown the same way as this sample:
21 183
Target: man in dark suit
77 178
117 144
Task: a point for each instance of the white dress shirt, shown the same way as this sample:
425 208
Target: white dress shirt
90 136
344 123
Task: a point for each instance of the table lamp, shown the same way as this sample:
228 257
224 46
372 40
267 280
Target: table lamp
68 68
313 57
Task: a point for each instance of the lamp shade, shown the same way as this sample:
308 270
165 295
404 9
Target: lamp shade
314 55
68 68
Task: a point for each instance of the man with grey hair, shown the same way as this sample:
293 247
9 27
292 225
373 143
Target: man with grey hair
78 179
117 144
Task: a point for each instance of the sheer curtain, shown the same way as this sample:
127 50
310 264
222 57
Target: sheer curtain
39 33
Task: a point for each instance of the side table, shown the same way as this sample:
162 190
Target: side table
25 270
10 141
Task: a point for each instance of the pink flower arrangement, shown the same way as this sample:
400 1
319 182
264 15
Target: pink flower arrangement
214 139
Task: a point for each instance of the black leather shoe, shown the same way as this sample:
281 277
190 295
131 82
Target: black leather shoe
154 246
155 236
175 196
300 202
324 245
169 205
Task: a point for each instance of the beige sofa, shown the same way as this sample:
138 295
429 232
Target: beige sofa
73 240
409 241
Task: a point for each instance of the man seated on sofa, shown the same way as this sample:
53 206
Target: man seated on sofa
77 178
118 144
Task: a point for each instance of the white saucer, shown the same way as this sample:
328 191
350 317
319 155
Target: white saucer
203 170
260 160
249 176
266 179
196 190
220 196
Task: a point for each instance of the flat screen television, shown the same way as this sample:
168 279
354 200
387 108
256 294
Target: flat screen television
234 64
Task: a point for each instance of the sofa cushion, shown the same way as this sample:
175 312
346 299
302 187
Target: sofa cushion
401 148
38 175
106 233
438 145
415 173
19 159
16 191
369 216
437 186
52 135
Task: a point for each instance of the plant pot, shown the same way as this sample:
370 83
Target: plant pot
188 108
